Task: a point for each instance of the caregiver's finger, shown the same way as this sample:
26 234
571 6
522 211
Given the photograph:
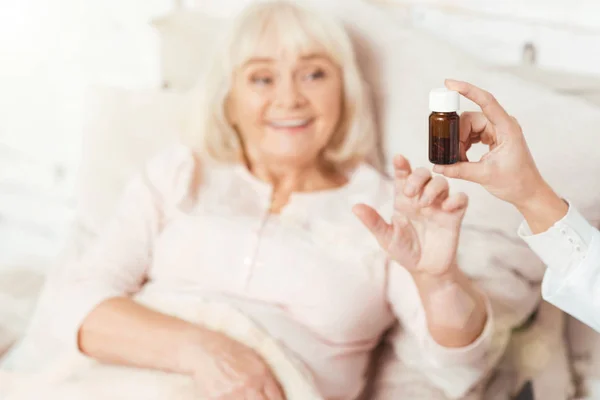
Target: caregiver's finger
472 125
471 128
467 171
488 103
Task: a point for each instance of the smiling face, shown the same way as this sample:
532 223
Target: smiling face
285 88
286 105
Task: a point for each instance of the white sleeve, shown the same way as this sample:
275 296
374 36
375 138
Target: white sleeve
117 262
571 250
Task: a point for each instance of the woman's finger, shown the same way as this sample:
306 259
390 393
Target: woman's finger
272 391
402 170
233 395
436 190
455 202
416 182
373 221
401 165
252 393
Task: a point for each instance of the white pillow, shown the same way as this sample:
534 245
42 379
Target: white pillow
123 128
19 289
183 57
222 8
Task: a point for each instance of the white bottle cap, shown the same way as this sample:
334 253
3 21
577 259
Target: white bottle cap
444 100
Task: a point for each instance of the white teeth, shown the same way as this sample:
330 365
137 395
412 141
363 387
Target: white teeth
292 123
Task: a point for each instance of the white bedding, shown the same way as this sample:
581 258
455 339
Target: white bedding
75 377
19 289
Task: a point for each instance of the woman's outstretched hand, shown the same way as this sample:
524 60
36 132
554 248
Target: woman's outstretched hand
422 236
424 231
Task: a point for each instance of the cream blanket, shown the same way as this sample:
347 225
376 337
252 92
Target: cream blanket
76 377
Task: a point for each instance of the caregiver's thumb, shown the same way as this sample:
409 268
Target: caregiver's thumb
468 171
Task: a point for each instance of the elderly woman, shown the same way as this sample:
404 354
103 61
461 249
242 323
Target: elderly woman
272 216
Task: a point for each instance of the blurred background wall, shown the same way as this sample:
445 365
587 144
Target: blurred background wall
50 53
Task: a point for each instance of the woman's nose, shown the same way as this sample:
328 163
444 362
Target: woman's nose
288 94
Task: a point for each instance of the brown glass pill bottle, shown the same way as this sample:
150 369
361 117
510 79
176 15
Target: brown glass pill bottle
443 126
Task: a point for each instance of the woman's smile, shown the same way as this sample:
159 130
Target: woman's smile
291 125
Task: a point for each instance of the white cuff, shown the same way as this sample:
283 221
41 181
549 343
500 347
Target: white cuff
577 292
564 245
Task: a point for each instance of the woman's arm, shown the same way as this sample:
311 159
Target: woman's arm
100 316
446 322
121 331
458 363
423 238
97 313
455 310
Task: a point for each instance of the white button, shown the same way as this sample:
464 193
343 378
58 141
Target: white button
571 240
563 231
577 248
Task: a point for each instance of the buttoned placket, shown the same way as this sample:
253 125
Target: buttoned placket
264 193
293 215
251 259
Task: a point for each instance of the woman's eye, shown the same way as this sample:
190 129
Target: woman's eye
261 80
317 74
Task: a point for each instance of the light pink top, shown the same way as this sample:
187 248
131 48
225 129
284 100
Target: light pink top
312 276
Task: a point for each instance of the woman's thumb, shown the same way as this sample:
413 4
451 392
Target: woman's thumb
467 171
373 222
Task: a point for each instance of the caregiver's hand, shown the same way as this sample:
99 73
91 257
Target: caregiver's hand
225 369
424 231
508 170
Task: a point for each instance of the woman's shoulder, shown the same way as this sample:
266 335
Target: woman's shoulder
178 169
170 166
